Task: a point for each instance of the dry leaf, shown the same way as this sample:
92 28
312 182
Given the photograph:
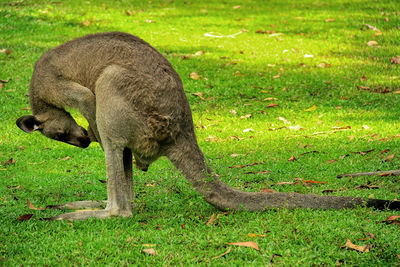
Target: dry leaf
350 245
393 217
292 158
236 7
200 95
6 51
330 20
395 60
247 116
223 254
331 161
389 158
150 251
86 23
66 158
261 172
30 206
314 107
25 217
211 220
333 190
371 236
194 76
267 190
279 183
366 186
313 182
372 43
129 13
277 76
270 98
239 74
323 65
11 161
256 235
249 244
272 105
149 21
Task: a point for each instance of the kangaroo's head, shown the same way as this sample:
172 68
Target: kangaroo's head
61 127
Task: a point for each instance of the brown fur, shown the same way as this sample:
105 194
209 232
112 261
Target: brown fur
135 105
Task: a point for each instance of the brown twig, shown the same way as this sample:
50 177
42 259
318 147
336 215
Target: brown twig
379 173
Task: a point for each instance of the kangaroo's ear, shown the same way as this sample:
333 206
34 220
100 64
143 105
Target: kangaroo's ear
28 123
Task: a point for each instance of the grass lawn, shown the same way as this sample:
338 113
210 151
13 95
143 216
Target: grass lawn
276 80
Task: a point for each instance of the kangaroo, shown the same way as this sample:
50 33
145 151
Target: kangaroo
136 107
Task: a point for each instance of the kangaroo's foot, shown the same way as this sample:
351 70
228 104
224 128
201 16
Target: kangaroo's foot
85 214
84 204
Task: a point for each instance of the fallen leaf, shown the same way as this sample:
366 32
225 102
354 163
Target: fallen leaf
363 152
255 235
313 182
66 158
395 60
366 186
270 98
292 158
267 190
314 107
236 7
331 161
247 116
212 138
149 21
384 151
272 105
11 161
249 244
6 51
333 190
248 130
277 76
239 74
323 65
330 20
350 245
308 56
393 217
25 217
223 254
363 78
389 158
200 95
279 183
150 251
86 23
211 220
260 172
265 31
30 206
233 112
234 155
363 87
242 166
194 76
370 236
129 13
372 43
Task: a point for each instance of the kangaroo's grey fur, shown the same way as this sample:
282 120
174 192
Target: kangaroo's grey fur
135 105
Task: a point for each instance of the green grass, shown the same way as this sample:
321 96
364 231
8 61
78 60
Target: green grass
236 74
